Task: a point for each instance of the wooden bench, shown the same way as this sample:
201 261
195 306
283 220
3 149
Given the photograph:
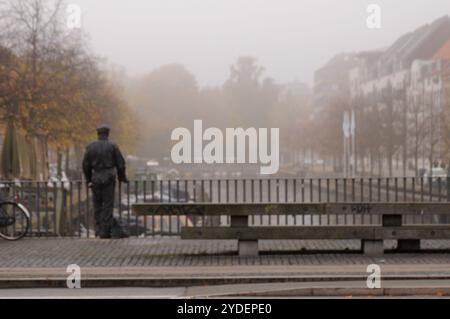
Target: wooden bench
371 236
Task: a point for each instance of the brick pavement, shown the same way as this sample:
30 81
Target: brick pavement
163 262
167 252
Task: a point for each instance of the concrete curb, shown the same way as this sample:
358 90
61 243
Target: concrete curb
350 292
347 289
161 282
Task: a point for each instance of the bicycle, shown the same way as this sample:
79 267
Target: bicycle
14 219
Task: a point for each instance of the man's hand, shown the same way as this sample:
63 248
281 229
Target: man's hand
89 184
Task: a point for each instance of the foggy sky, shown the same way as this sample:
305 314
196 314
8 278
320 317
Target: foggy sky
291 38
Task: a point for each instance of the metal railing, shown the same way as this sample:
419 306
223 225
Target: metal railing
65 208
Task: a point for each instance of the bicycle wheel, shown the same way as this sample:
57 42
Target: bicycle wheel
14 221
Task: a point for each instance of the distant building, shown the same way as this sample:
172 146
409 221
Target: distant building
332 79
407 87
411 76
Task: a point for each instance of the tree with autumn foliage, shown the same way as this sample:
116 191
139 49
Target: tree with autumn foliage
50 84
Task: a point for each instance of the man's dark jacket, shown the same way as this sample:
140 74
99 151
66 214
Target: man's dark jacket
101 160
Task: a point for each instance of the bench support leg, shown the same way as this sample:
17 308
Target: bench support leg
372 247
408 244
245 247
248 248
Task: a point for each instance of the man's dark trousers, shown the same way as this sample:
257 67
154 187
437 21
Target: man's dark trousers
103 196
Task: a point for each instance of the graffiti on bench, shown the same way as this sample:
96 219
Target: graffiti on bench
361 208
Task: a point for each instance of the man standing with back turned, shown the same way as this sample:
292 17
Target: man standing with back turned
100 162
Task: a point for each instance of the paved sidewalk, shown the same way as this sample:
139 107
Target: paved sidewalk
174 262
167 252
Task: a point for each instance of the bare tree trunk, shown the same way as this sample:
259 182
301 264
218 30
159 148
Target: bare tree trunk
416 144
59 159
431 133
363 163
371 161
380 163
405 135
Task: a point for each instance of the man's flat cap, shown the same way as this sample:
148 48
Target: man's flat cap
103 129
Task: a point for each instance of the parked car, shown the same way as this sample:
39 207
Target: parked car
176 195
436 174
134 226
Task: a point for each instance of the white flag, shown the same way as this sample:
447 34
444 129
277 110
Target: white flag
352 124
346 125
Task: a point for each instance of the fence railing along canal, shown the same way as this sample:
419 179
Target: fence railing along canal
65 208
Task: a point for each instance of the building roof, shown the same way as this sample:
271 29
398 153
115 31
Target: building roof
443 53
372 55
422 43
435 35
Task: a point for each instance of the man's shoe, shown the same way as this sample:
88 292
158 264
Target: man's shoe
104 236
119 233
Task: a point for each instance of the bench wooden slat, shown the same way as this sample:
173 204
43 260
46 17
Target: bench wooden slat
318 232
243 209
